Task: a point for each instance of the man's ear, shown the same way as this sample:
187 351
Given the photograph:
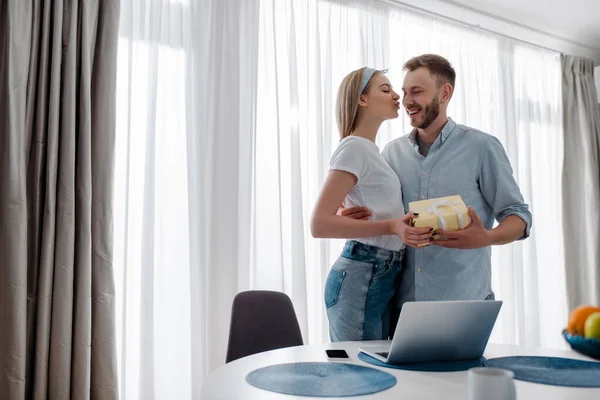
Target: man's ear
447 91
362 101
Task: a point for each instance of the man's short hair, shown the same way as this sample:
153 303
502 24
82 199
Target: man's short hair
438 66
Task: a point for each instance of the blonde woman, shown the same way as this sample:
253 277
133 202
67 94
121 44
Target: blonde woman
361 283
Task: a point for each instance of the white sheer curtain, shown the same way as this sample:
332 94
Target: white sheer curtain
151 204
186 88
225 129
503 87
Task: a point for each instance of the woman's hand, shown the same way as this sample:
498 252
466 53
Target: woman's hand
410 235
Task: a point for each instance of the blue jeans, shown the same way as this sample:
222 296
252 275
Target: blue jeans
359 292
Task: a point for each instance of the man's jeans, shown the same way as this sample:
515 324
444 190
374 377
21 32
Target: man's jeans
359 292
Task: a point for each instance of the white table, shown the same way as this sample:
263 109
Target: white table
229 381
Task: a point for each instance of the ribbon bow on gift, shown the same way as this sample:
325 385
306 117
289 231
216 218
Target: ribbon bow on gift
434 209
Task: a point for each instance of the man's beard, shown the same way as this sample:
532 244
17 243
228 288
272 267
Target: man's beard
431 112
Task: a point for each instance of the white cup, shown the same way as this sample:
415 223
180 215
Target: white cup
490 384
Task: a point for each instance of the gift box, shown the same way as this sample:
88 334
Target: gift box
447 213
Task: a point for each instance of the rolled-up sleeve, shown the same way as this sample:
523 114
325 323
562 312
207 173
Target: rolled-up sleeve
498 185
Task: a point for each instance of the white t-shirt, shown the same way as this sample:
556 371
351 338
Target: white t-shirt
377 187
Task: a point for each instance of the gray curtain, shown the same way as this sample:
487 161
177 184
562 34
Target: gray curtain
581 181
57 133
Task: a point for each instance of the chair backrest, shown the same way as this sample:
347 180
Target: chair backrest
260 321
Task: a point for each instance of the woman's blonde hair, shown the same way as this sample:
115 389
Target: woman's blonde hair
346 104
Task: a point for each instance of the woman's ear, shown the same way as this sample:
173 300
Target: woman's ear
362 101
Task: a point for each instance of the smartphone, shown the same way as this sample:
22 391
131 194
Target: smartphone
337 354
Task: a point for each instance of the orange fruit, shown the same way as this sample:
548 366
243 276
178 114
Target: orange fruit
578 317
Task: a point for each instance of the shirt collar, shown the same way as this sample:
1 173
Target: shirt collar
447 130
444 135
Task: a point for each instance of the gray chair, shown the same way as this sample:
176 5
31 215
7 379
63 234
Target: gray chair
261 321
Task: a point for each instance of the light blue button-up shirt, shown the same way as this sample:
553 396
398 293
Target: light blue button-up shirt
462 161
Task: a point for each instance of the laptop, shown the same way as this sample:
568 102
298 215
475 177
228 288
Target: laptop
432 331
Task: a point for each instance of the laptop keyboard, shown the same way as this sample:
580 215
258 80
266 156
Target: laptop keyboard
383 354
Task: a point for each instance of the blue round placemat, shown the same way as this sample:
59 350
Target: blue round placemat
321 379
555 371
442 366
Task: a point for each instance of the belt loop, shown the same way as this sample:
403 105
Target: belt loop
351 244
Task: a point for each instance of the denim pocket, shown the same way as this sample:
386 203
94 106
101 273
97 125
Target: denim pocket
333 284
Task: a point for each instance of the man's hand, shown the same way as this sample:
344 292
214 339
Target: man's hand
410 235
473 236
354 212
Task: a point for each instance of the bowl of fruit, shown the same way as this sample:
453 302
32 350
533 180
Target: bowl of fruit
583 331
